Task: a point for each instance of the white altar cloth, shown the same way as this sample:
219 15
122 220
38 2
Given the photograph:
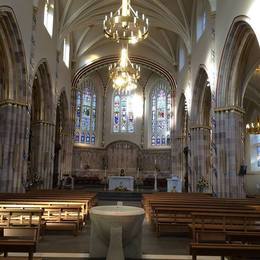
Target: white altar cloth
174 184
104 219
122 182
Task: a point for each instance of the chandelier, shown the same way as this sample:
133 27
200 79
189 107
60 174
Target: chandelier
254 127
126 25
124 74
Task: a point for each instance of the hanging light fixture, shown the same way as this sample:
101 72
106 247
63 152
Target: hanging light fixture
254 127
126 24
124 74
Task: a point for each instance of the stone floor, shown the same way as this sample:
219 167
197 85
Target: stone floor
63 245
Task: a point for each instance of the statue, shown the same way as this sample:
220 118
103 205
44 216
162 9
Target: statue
122 172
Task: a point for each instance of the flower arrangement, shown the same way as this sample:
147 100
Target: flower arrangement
202 184
157 168
33 180
121 188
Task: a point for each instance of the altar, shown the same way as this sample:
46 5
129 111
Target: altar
121 182
174 184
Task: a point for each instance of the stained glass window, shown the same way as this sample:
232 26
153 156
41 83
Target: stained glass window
123 116
86 113
160 99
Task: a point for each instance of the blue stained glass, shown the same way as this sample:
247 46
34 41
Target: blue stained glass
123 116
163 140
258 150
82 138
160 113
77 138
93 139
153 140
86 102
88 139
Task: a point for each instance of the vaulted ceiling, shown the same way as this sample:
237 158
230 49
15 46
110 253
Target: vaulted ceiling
170 24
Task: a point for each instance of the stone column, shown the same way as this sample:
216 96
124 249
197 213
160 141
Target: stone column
178 164
229 142
13 145
200 155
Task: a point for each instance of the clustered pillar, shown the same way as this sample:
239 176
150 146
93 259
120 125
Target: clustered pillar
200 159
14 136
230 152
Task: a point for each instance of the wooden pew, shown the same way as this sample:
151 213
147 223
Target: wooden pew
64 218
62 210
224 250
22 217
18 239
225 234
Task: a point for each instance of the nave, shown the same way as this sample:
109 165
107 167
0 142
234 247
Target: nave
153 102
176 225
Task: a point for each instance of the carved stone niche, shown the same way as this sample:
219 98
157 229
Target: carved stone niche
123 155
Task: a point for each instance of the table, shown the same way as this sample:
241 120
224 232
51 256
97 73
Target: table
116 230
122 182
174 184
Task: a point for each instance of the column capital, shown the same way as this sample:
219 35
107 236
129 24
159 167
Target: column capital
193 127
13 103
42 122
230 109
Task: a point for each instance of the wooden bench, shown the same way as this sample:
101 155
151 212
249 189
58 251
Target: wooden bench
224 250
18 239
64 218
22 217
178 219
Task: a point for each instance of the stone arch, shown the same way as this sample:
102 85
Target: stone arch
42 128
43 90
240 53
13 104
180 147
182 115
238 45
13 76
62 138
201 99
200 131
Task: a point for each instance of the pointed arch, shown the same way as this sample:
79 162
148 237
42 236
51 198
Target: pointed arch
13 79
238 45
201 99
42 97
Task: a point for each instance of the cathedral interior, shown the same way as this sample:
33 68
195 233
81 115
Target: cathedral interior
152 91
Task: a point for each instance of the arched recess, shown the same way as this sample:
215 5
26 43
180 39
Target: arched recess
13 65
123 155
180 147
62 140
40 162
13 103
240 53
200 130
233 64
